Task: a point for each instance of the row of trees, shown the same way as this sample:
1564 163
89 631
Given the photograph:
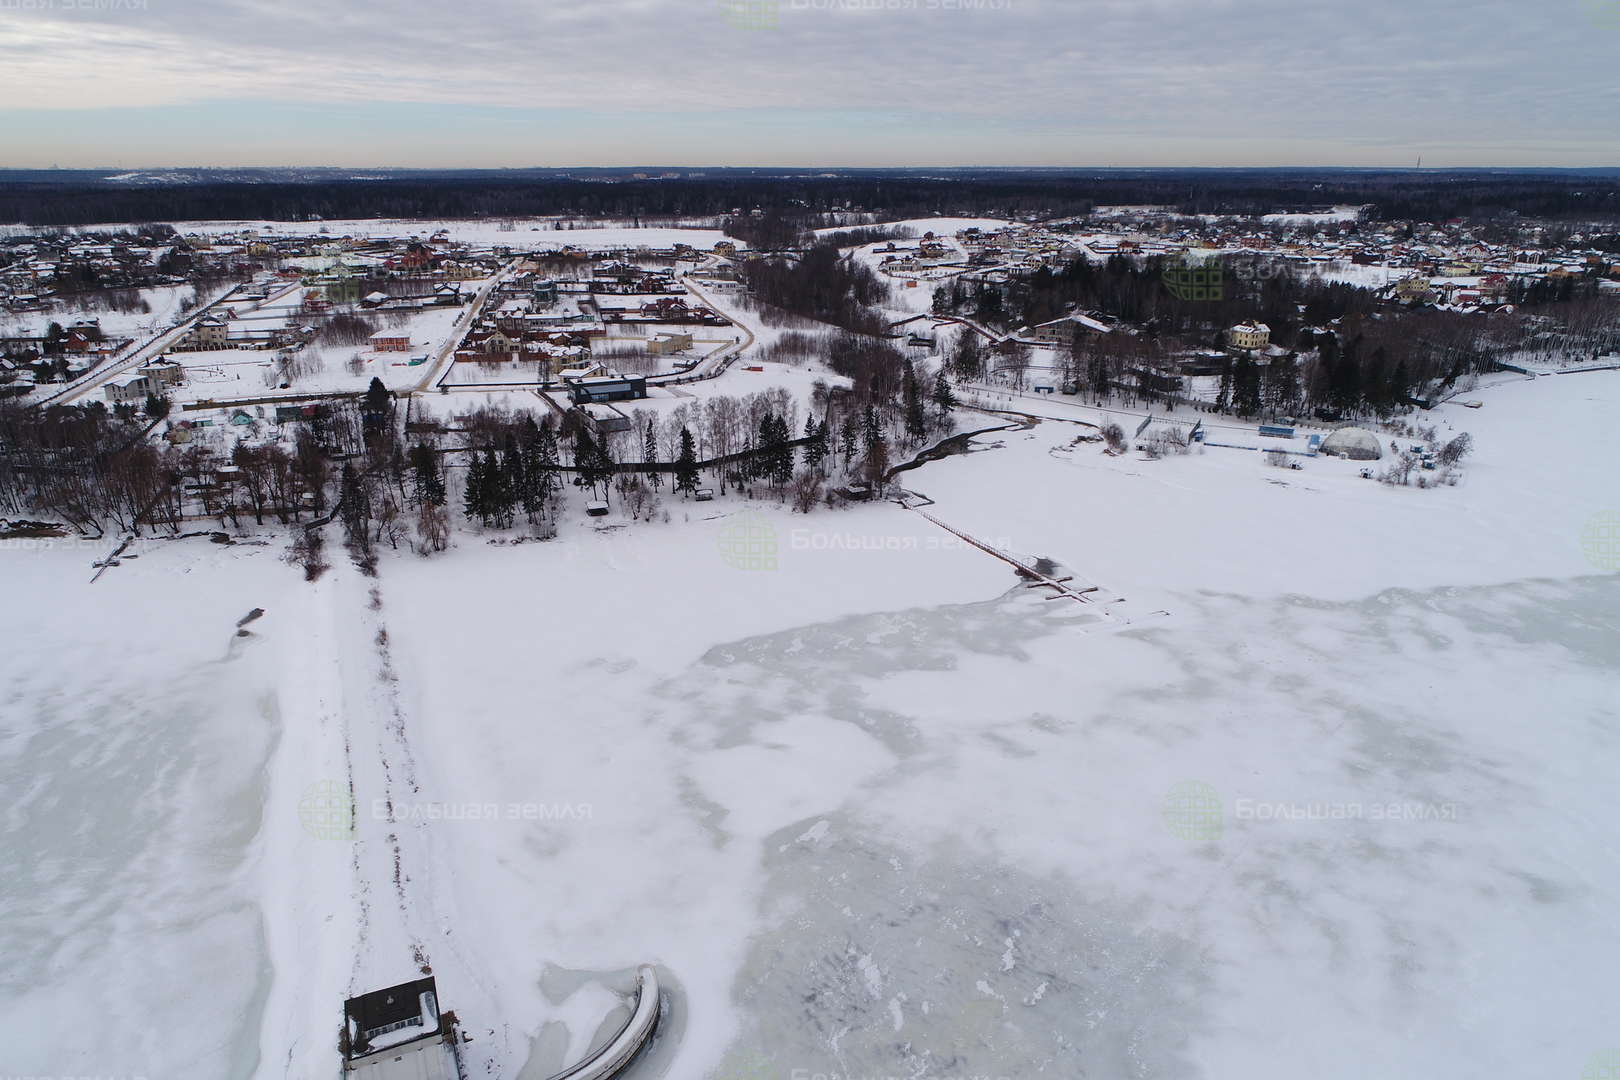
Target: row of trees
86 467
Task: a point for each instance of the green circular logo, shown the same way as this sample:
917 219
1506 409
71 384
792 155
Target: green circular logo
1604 13
748 542
1603 1065
1192 811
327 811
749 1066
752 14
1600 539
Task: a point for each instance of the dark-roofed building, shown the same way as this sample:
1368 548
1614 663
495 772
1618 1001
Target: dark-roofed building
399 1034
584 391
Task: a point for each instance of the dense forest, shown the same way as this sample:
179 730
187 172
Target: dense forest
1347 353
78 198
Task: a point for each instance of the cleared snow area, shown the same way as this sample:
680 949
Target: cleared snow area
1328 794
940 226
1338 213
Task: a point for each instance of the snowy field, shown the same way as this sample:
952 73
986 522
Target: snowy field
940 226
1327 794
526 234
163 301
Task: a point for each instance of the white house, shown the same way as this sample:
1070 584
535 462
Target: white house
129 391
1062 331
399 1034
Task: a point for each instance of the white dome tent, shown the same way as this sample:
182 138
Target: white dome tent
1357 444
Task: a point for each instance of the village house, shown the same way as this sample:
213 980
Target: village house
208 333
603 419
131 391
1249 336
390 341
162 374
587 390
399 1034
665 344
1415 290
1063 331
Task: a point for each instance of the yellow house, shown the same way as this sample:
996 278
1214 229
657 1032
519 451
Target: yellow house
1249 336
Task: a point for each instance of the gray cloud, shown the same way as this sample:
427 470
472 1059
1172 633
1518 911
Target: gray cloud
1084 81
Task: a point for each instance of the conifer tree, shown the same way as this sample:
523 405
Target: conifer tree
815 451
911 403
545 464
649 453
514 484
686 470
944 397
594 468
776 462
498 501
374 408
871 426
356 511
474 502
1246 387
427 482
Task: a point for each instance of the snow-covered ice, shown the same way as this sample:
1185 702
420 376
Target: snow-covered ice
878 811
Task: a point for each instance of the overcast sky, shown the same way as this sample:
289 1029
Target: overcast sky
809 82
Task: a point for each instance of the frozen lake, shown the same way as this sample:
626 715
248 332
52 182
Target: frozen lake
1404 869
874 812
132 764
936 841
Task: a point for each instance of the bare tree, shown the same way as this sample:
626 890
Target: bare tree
1452 453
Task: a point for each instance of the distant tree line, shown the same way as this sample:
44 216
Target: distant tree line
45 198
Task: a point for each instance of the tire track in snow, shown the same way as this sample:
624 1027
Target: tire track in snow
394 839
